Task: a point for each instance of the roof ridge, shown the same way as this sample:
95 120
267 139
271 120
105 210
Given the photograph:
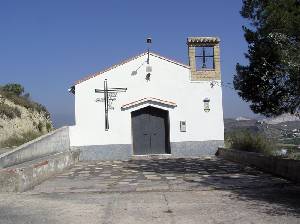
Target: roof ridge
92 75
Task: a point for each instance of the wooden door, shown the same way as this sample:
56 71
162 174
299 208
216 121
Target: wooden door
150 131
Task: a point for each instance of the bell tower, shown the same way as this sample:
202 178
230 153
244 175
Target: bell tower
204 58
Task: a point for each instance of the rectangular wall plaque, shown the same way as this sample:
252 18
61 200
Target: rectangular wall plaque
183 126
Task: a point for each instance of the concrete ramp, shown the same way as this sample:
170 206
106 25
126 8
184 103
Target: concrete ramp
35 161
25 176
53 142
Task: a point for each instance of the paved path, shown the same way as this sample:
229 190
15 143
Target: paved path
156 191
158 175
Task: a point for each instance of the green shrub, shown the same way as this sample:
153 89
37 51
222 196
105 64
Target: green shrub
295 156
19 140
293 140
13 88
30 135
293 152
48 126
9 111
246 141
40 126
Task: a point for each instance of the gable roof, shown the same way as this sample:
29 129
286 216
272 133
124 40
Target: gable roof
90 76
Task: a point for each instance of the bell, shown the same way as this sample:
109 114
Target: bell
149 40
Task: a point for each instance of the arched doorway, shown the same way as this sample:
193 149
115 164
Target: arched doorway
150 131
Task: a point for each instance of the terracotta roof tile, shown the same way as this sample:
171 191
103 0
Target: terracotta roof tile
203 39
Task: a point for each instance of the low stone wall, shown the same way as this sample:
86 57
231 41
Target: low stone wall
27 175
104 152
195 148
286 168
56 141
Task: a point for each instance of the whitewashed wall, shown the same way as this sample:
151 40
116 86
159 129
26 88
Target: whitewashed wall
169 81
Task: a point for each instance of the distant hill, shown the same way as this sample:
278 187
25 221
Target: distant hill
280 119
21 119
284 129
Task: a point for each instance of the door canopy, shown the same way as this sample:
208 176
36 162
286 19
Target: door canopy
149 101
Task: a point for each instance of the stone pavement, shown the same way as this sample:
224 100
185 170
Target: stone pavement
158 175
203 190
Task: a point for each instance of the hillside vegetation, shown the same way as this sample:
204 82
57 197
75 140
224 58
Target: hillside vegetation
21 119
266 136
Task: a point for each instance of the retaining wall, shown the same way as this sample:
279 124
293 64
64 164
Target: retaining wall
53 142
25 176
286 168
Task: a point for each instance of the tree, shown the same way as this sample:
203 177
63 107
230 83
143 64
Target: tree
13 88
271 80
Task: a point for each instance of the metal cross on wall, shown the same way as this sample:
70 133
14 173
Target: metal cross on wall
109 96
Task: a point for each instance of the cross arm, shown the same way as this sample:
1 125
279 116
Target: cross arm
112 90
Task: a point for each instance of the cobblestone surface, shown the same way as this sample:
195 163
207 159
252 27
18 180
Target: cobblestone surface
206 190
159 175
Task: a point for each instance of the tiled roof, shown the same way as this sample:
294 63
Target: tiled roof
203 40
126 61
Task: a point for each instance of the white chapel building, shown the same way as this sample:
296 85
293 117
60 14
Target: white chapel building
150 104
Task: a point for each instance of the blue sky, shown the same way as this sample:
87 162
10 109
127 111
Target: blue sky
47 45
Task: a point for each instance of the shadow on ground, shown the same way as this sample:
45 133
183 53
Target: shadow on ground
248 184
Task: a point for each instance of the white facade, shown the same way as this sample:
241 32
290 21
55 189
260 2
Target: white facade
169 81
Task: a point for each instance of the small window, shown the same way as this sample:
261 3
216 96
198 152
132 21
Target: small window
204 58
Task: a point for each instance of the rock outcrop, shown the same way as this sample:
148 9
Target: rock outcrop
21 118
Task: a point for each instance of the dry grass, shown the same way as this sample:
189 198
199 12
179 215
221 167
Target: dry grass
25 102
9 111
14 141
